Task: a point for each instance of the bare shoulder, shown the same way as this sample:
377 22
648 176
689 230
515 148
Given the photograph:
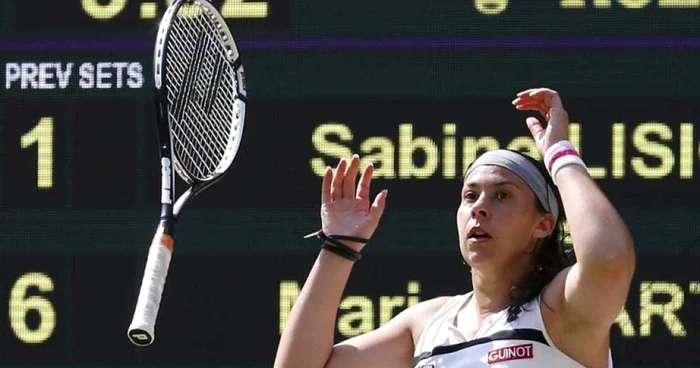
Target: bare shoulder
552 306
420 313
390 345
553 293
588 346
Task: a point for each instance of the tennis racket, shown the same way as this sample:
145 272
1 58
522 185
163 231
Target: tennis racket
200 98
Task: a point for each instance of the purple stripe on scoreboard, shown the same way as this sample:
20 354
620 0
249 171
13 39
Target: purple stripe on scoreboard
366 43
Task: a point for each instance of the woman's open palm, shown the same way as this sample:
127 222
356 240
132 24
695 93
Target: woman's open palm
345 205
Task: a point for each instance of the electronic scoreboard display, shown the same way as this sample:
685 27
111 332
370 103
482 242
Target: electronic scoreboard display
418 87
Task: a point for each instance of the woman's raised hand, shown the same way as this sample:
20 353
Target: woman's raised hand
345 204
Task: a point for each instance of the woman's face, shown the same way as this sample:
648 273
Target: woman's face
497 220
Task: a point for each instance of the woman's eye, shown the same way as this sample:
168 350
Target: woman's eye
502 195
470 196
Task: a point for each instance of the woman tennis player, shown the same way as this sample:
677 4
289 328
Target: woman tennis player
529 307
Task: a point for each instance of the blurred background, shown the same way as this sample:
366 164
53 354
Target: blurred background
419 87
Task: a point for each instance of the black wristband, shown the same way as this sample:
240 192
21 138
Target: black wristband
339 251
332 243
349 238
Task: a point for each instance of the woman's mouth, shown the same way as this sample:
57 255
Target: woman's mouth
478 235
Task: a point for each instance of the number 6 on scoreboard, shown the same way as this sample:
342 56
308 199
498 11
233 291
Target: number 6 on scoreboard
200 98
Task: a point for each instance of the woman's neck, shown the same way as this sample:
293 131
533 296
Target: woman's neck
490 296
492 290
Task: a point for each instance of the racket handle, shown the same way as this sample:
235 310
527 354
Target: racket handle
142 329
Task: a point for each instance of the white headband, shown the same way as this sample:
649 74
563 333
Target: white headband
522 167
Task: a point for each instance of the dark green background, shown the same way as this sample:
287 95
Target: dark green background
239 239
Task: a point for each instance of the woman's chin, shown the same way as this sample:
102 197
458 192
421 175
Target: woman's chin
480 258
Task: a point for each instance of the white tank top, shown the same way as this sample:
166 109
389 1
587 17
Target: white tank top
523 343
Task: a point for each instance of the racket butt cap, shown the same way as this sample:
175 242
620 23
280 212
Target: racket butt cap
140 337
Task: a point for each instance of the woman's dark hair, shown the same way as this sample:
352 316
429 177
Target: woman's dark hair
550 256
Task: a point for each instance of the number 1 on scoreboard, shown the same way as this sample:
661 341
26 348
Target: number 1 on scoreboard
42 135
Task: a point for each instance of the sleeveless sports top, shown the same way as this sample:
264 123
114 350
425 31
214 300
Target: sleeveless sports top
522 343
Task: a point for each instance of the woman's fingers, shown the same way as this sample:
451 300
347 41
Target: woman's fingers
547 97
363 186
526 92
548 102
544 100
326 186
340 183
350 177
535 127
378 206
337 182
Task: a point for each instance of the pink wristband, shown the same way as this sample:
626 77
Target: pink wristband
561 154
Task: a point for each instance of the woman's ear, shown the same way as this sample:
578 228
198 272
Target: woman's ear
545 226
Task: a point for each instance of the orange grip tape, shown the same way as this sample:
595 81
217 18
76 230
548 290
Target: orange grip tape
164 240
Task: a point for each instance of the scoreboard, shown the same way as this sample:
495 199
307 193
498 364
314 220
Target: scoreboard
418 87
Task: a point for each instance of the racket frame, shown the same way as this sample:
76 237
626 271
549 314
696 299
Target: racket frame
170 209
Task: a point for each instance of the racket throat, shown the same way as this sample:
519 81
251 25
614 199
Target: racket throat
167 220
182 200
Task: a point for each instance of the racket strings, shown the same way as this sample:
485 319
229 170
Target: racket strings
186 138
201 93
187 130
185 125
